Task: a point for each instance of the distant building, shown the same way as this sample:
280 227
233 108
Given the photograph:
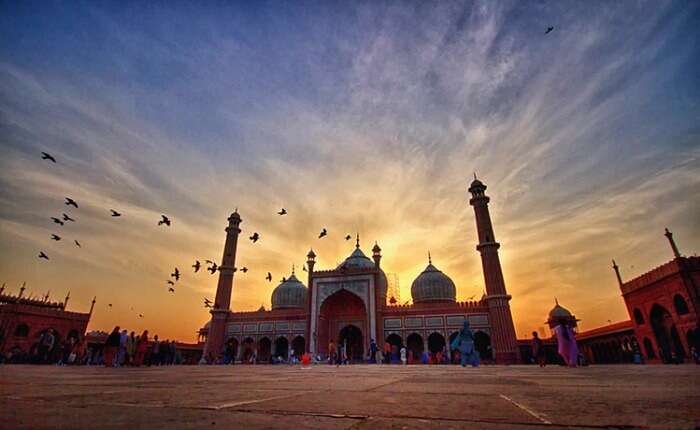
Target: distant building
23 321
348 305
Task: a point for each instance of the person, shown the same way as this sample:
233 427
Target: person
46 343
387 352
332 352
154 357
173 352
372 351
538 349
566 343
131 348
403 355
141 348
694 354
292 357
112 347
464 342
123 338
379 357
339 355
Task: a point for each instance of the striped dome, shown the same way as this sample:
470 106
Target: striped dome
289 294
433 286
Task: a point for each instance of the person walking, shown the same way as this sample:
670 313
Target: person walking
403 355
464 342
373 351
154 357
112 347
332 352
131 348
141 348
387 352
538 349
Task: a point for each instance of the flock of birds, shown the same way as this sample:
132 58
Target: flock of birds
175 276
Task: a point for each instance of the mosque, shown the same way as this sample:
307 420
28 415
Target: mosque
348 304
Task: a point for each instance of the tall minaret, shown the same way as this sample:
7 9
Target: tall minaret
222 302
503 338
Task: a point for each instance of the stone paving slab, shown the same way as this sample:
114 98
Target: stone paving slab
350 397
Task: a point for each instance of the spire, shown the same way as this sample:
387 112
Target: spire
475 176
669 236
617 273
92 306
293 268
556 302
21 290
357 242
65 302
430 260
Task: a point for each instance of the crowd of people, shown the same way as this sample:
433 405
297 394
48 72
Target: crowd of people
128 349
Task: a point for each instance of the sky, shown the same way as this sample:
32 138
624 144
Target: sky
367 117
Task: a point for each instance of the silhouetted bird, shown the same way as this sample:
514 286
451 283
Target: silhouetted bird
67 218
254 237
269 277
57 221
77 243
549 30
348 237
171 289
207 301
47 156
140 315
176 274
244 269
55 237
323 233
284 279
71 202
208 261
170 282
115 213
282 212
196 266
164 220
42 255
110 305
213 268
207 305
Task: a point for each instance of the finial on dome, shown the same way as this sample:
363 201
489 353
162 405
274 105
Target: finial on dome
556 302
293 269
430 260
357 241
475 175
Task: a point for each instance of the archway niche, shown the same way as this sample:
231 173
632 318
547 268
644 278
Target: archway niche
436 343
414 345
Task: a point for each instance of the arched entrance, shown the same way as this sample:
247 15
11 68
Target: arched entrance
231 350
482 343
298 345
660 320
351 337
264 350
677 345
248 349
414 345
396 342
339 310
282 347
436 342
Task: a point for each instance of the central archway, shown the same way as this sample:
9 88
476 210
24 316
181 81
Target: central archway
659 318
351 338
339 310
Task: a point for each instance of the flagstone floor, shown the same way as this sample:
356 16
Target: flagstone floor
350 397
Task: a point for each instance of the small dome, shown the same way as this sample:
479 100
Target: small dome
559 312
357 260
433 286
289 294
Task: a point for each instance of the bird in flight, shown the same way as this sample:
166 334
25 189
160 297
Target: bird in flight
283 279
176 274
115 213
71 202
324 232
171 289
244 269
170 282
213 268
110 305
269 277
207 303
140 315
47 156
282 212
77 243
164 220
56 220
348 237
254 237
549 30
196 266
55 237
42 255
67 218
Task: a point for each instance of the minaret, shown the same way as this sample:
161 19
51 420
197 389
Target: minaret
21 290
617 273
310 337
503 338
65 302
92 306
222 302
376 255
669 236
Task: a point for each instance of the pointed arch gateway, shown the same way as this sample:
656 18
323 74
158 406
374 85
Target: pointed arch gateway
340 310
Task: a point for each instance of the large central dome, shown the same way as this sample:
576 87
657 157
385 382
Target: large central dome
433 286
289 294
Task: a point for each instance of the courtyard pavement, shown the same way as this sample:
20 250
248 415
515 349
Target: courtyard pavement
349 397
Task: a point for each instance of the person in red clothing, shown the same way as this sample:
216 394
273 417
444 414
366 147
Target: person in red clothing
141 348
